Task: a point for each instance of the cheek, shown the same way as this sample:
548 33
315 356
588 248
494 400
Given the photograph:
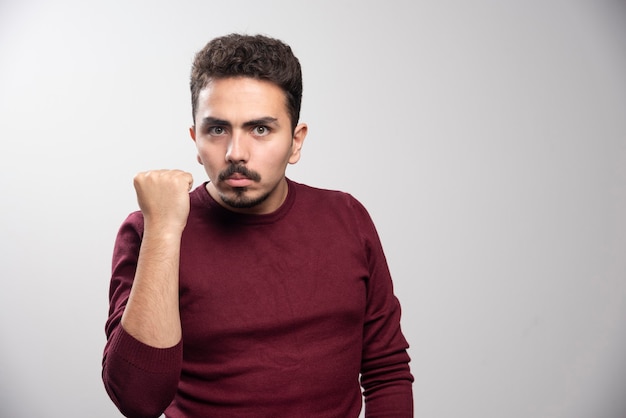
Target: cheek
210 152
275 161
210 157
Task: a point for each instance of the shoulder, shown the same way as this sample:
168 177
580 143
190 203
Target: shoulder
304 191
132 225
135 219
339 202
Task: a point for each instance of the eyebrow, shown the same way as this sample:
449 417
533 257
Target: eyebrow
214 121
266 120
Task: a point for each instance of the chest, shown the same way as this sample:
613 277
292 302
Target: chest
268 282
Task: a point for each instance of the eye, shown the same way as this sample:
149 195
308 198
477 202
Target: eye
261 130
216 131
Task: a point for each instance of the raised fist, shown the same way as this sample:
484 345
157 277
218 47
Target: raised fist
163 197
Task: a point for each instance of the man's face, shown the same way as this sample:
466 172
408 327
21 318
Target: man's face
244 140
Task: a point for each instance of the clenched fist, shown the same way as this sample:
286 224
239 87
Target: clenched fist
163 197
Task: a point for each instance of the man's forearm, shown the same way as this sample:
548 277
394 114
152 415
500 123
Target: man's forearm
152 313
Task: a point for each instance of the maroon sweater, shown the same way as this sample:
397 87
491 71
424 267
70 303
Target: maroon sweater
281 315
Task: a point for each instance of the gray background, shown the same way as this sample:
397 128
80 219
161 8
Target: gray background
487 139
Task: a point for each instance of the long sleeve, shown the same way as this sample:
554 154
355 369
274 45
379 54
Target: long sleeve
385 373
141 380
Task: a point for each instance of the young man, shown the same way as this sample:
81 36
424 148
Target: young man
252 295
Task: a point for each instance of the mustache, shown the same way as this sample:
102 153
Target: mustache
239 169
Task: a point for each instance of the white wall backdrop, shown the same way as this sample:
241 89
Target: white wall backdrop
487 138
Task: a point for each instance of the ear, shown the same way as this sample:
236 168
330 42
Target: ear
192 134
299 135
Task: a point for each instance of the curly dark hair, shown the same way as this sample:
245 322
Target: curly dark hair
254 56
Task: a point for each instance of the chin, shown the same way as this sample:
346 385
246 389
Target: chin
240 199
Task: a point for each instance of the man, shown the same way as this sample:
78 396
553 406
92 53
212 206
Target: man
252 295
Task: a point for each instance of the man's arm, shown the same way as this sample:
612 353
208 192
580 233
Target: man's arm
385 373
143 355
151 314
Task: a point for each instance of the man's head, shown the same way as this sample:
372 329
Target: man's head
253 56
246 93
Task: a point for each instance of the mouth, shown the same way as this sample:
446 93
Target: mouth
238 180
238 176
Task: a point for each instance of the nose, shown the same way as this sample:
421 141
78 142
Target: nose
237 151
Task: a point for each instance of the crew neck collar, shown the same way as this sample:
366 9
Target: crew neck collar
210 203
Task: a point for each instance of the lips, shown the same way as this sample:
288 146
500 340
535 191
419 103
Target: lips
237 176
238 180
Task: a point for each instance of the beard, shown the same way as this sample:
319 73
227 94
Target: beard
241 201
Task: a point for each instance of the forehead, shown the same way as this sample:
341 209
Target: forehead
241 97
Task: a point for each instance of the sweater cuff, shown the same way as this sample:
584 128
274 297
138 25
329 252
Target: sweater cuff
145 357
